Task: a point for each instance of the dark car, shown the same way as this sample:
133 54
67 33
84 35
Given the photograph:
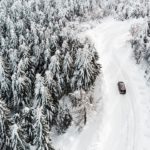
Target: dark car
121 87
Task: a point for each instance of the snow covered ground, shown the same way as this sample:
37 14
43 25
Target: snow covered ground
123 123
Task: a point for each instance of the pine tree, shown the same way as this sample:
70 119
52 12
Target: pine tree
17 140
5 82
21 86
27 125
44 99
67 72
82 106
86 69
54 68
64 120
44 110
67 66
4 125
51 84
42 138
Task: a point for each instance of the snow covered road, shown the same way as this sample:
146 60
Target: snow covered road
125 117
124 122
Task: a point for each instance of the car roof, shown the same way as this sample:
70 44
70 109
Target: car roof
122 85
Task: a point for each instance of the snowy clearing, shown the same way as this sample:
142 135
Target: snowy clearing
123 123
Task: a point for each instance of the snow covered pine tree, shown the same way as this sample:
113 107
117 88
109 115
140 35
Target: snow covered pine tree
41 63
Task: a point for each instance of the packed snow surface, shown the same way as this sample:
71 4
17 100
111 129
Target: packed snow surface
123 123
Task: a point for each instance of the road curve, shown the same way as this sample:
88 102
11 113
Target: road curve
122 122
122 116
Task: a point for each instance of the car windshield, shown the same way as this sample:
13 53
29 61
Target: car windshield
122 86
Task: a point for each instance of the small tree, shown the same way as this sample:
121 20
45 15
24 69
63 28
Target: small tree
67 66
27 124
42 134
5 81
17 140
82 106
51 84
54 68
4 126
67 72
64 120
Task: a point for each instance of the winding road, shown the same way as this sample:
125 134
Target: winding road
123 126
122 122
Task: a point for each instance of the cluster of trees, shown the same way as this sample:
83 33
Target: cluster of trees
141 43
40 63
125 9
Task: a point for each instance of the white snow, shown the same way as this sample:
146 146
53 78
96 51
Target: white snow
122 122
